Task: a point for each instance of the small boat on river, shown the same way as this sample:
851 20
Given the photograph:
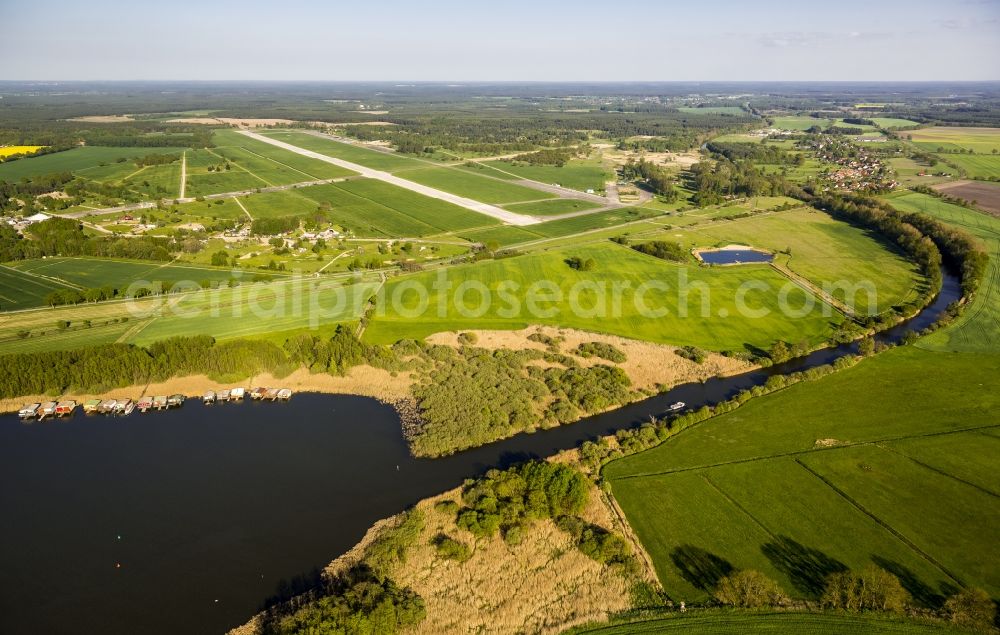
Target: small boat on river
677 406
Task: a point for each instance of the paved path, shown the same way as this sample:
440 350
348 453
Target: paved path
511 218
184 173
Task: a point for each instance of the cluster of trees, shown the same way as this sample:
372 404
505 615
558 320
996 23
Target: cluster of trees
508 501
474 396
156 159
581 264
723 178
663 249
76 296
597 543
858 121
547 156
656 177
65 237
356 602
107 366
759 152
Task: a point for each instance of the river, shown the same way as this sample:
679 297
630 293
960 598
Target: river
186 521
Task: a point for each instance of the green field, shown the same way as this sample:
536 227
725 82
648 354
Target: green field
552 207
369 207
99 272
799 123
577 174
259 157
474 186
76 160
979 140
978 328
712 319
720 622
23 290
256 310
824 251
388 161
757 489
891 122
976 166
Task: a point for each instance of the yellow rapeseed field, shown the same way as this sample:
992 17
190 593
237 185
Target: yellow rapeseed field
6 151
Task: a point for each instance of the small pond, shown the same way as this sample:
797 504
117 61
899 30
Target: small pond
731 256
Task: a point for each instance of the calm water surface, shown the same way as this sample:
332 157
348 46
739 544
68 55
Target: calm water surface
186 521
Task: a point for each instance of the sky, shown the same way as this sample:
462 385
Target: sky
516 40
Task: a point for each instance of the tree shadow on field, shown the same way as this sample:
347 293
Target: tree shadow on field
922 593
806 567
699 568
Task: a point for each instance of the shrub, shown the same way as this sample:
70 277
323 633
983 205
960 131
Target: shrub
389 548
663 249
602 350
971 608
692 353
451 549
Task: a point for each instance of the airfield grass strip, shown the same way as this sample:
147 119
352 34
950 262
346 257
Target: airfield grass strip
892 530
797 453
273 160
961 480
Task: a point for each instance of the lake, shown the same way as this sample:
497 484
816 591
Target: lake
186 521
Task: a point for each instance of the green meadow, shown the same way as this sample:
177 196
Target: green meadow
820 249
474 186
892 122
814 479
23 290
979 140
576 174
259 153
552 207
978 328
77 160
722 622
976 166
799 123
100 272
706 313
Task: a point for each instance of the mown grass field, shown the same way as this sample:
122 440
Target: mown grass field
577 174
388 161
719 622
474 186
978 329
824 251
77 160
403 314
816 478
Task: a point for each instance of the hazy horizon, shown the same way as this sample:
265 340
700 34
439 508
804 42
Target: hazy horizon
446 41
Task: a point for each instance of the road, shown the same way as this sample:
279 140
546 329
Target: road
499 213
